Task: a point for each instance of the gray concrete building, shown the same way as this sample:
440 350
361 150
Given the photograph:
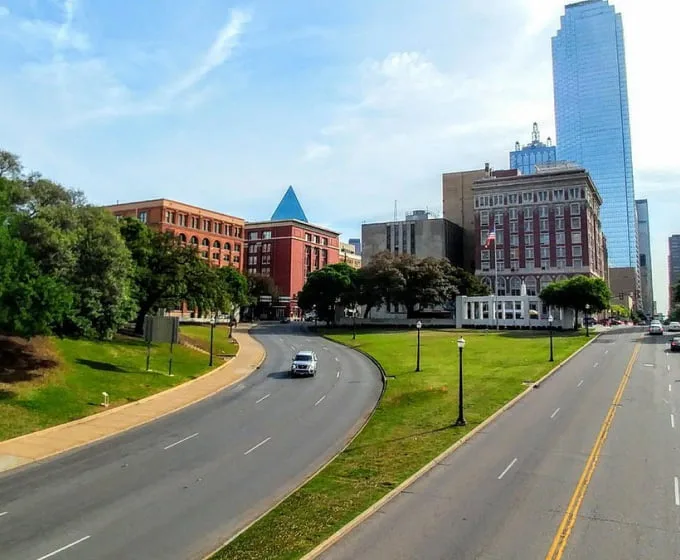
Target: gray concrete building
419 235
645 248
673 267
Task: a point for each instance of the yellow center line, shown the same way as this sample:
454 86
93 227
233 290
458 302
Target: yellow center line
564 530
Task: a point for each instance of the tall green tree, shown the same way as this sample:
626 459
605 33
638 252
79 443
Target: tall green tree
425 283
379 281
325 289
576 293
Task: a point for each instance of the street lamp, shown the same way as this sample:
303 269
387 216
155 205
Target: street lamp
419 326
354 322
550 324
587 313
461 419
212 336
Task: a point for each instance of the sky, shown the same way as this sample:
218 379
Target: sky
356 104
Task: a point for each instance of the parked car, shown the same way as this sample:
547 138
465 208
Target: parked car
655 327
675 344
673 326
304 363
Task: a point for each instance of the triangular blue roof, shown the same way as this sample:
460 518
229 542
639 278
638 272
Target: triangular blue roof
289 208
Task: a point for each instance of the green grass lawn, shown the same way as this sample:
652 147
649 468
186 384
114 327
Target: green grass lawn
53 381
411 426
199 335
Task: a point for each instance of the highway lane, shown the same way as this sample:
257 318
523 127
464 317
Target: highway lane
504 494
180 486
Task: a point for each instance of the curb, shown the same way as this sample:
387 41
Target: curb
343 531
130 405
362 424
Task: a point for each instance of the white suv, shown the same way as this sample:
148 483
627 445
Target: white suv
304 363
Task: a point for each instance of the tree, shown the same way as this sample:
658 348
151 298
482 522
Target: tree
620 311
234 289
466 284
577 292
378 281
425 283
326 288
10 165
261 285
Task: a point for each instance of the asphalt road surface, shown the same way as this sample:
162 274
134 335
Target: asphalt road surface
504 494
179 487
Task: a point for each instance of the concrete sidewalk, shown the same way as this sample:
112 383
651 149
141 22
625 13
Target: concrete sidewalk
65 437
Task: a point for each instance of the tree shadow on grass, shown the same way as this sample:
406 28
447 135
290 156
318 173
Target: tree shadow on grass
21 361
354 448
6 395
101 366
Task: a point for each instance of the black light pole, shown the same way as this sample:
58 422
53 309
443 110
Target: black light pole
461 418
419 326
212 336
354 323
550 324
587 322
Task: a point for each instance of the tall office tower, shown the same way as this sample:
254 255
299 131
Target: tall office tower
591 114
526 157
646 283
673 267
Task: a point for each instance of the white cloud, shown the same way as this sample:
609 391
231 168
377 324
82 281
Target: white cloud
4 11
316 151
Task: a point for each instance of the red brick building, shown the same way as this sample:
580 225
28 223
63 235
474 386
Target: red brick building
547 228
218 237
288 248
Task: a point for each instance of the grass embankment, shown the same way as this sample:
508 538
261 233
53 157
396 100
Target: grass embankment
50 381
199 335
411 426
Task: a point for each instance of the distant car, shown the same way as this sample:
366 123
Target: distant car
590 321
674 326
285 320
304 363
655 327
675 344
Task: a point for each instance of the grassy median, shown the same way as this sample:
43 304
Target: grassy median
49 381
411 426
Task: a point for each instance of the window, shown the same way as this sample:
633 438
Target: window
485 255
205 242
529 226
561 263
529 252
515 286
206 225
169 217
530 283
237 258
142 216
543 211
529 263
388 237
577 251
501 287
578 263
252 248
499 237
542 196
194 222
237 247
576 237
483 235
204 254
514 265
266 247
252 235
226 258
217 227
266 259
216 244
486 266
528 213
182 220
413 238
266 271
216 256
484 218
575 209
513 213
558 194
514 240
324 241
529 240
527 198
499 220
182 238
512 198
266 235
194 240
252 270
559 210
576 223
317 239
308 236
545 239
544 225
514 254
252 259
559 238
513 227
403 239
559 224
499 254
545 253
561 252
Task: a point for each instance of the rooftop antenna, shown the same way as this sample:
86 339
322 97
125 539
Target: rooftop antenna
549 141
517 148
535 134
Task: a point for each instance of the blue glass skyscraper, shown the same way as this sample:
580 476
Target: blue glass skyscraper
526 157
591 114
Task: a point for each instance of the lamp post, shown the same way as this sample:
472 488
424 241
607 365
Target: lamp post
212 336
461 418
419 326
550 324
587 322
354 322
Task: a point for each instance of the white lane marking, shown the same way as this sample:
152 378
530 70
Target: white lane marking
649 365
668 367
596 364
280 339
580 383
292 348
672 421
677 491
669 387
181 441
3 513
507 468
338 375
317 403
325 347
258 401
554 413
256 446
606 351
69 546
337 359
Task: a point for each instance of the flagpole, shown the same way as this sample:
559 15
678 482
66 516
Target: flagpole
495 283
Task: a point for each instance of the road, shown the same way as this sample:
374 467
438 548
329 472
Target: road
179 487
505 493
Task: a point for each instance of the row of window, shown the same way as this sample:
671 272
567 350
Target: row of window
194 222
265 271
513 286
530 197
528 238
529 264
392 238
561 252
206 243
543 212
265 260
225 258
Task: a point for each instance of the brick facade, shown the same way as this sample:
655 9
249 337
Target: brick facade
288 250
218 237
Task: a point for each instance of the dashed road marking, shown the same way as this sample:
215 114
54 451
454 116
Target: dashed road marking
512 463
